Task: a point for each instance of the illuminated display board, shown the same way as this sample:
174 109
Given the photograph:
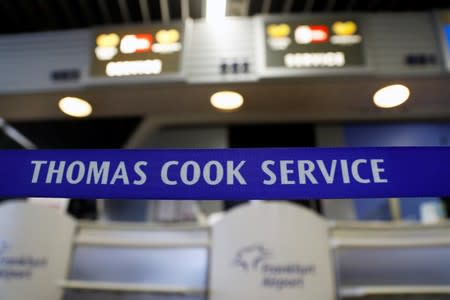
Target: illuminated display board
137 51
296 45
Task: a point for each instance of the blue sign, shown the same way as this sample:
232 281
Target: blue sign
447 33
229 174
446 42
447 37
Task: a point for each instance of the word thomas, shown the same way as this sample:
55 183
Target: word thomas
89 173
212 172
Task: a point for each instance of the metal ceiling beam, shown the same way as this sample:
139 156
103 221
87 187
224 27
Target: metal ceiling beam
86 11
68 13
30 15
124 11
47 14
265 9
372 5
16 136
165 13
393 4
413 5
287 6
11 13
330 5
350 5
104 11
145 10
185 14
309 4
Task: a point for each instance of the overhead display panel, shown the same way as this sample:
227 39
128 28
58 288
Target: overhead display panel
444 26
294 46
138 51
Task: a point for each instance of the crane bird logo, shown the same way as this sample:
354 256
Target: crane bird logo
251 257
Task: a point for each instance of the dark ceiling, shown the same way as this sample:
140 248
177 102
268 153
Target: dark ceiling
43 15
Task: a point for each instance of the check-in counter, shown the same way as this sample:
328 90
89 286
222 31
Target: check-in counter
182 261
132 261
371 261
391 260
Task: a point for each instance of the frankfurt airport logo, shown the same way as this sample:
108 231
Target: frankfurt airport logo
251 257
260 263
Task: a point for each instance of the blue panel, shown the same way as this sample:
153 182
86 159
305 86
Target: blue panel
375 135
380 135
372 209
447 37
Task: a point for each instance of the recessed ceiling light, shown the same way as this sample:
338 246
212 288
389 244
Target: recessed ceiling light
227 100
75 107
391 96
